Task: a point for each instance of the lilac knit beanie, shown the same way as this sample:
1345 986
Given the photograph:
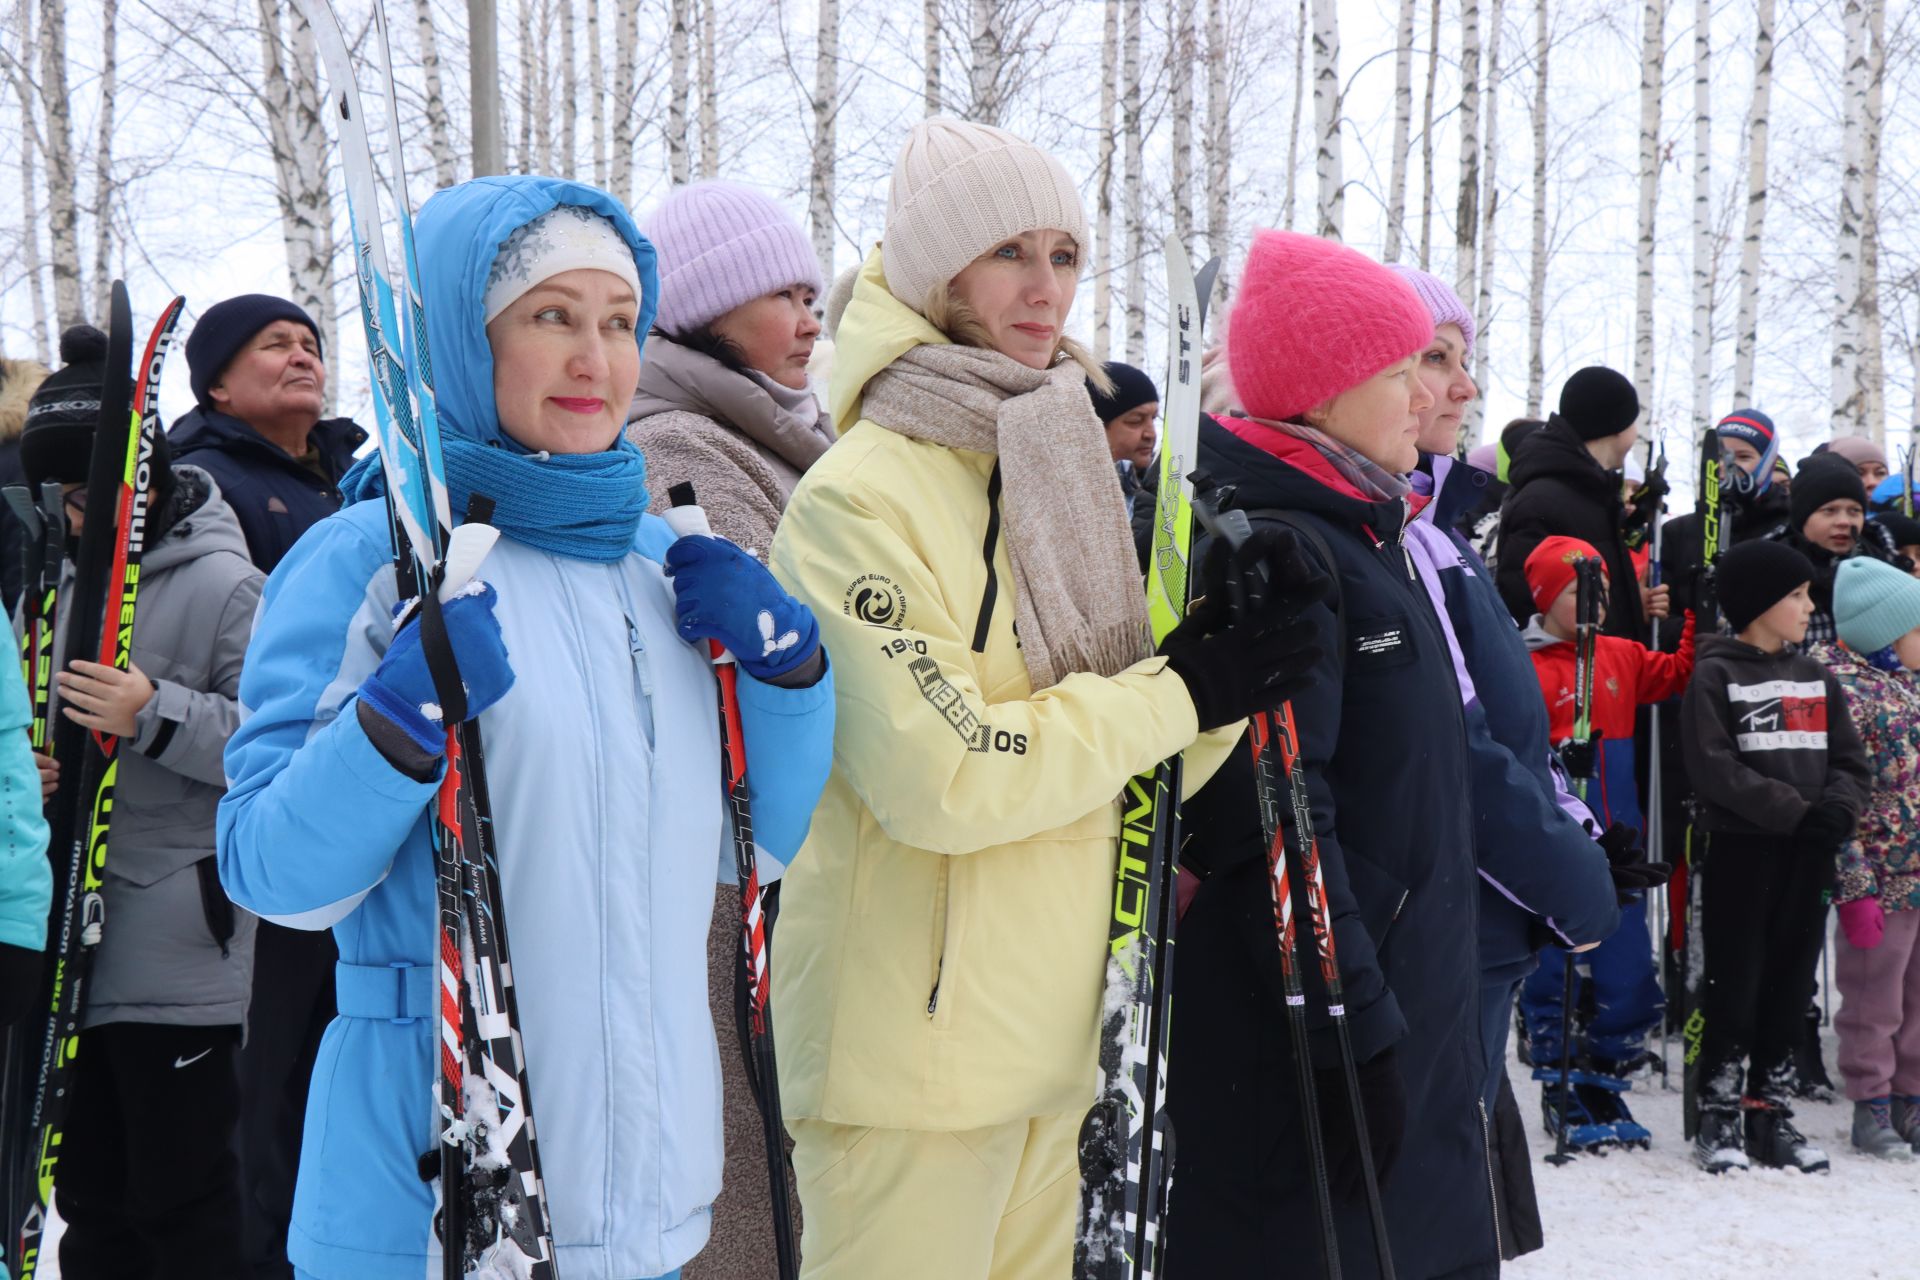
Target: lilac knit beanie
1442 302
720 245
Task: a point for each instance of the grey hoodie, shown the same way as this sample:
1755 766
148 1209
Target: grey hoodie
174 949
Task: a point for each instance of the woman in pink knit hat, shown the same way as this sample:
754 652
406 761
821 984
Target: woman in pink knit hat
1322 349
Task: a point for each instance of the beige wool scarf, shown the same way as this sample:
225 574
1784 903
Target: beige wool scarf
1078 601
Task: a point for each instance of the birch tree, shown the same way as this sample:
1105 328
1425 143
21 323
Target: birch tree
291 96
1702 212
626 41
1219 145
1537 269
32 264
1652 67
1489 207
543 88
1299 95
679 86
1466 213
1872 330
103 163
569 94
56 140
1402 128
1135 160
597 83
930 55
1180 49
1426 140
826 102
439 127
1331 206
1103 201
1746 334
525 93
1849 401
983 75
710 88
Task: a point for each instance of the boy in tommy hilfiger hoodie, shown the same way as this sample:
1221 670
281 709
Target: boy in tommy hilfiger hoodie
1781 777
1627 1003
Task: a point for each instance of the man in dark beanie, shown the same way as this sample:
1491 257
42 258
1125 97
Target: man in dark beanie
1566 481
259 383
1128 413
1827 523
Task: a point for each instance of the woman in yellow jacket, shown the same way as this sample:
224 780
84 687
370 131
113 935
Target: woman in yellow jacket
939 966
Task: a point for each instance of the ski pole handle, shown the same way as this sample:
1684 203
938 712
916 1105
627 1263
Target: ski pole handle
688 519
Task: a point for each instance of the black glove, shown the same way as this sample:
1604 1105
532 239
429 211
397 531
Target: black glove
1579 757
1627 863
1823 830
1245 648
1384 1099
19 983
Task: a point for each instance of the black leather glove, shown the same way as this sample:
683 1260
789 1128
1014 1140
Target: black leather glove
19 983
1823 830
1579 757
1384 1099
1627 863
1245 648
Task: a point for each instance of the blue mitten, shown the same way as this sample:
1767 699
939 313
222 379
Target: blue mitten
722 593
400 691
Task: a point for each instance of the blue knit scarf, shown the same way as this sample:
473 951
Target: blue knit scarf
584 505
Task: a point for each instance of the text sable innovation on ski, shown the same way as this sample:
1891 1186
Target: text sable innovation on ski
493 1212
106 592
1126 1140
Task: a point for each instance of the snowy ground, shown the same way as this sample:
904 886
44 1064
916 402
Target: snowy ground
1651 1215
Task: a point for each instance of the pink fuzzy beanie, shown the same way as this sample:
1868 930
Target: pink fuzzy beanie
1313 318
721 245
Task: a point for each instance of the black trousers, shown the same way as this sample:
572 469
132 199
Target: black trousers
292 1004
1762 916
147 1181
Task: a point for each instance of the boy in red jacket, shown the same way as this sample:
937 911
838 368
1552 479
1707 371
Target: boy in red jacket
1626 1001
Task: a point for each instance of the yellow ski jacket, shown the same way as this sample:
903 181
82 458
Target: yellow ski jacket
940 957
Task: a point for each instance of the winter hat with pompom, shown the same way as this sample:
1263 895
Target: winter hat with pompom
1442 302
1313 318
1874 604
958 190
56 439
721 245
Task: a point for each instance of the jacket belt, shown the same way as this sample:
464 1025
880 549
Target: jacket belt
398 992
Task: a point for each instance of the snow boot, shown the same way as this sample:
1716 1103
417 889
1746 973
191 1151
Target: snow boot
1810 1079
1873 1130
1603 1091
1773 1142
1585 1133
1719 1145
1906 1119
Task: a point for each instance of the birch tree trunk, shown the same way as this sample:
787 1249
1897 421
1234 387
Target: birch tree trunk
1537 274
1872 329
1426 140
1849 407
103 163
710 89
1181 55
1219 146
439 127
31 261
1133 145
525 94
1466 213
1652 66
1331 208
1402 129
62 182
1103 201
1747 327
569 95
826 97
1489 207
983 76
1299 96
597 84
626 39
543 88
1703 264
679 86
930 55
292 99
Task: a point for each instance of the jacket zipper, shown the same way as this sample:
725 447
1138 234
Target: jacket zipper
1493 1189
946 917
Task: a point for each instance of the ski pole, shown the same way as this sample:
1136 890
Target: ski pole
685 517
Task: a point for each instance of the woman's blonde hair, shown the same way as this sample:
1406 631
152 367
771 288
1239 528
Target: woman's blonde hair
952 316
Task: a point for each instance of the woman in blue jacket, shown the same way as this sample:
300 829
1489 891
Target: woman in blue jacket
603 749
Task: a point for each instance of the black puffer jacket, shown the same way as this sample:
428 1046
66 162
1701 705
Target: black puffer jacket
1383 745
1558 488
276 496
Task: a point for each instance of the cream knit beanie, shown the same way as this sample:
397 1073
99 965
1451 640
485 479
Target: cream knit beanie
958 190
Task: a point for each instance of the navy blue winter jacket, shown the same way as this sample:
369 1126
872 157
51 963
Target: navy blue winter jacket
276 496
1540 869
